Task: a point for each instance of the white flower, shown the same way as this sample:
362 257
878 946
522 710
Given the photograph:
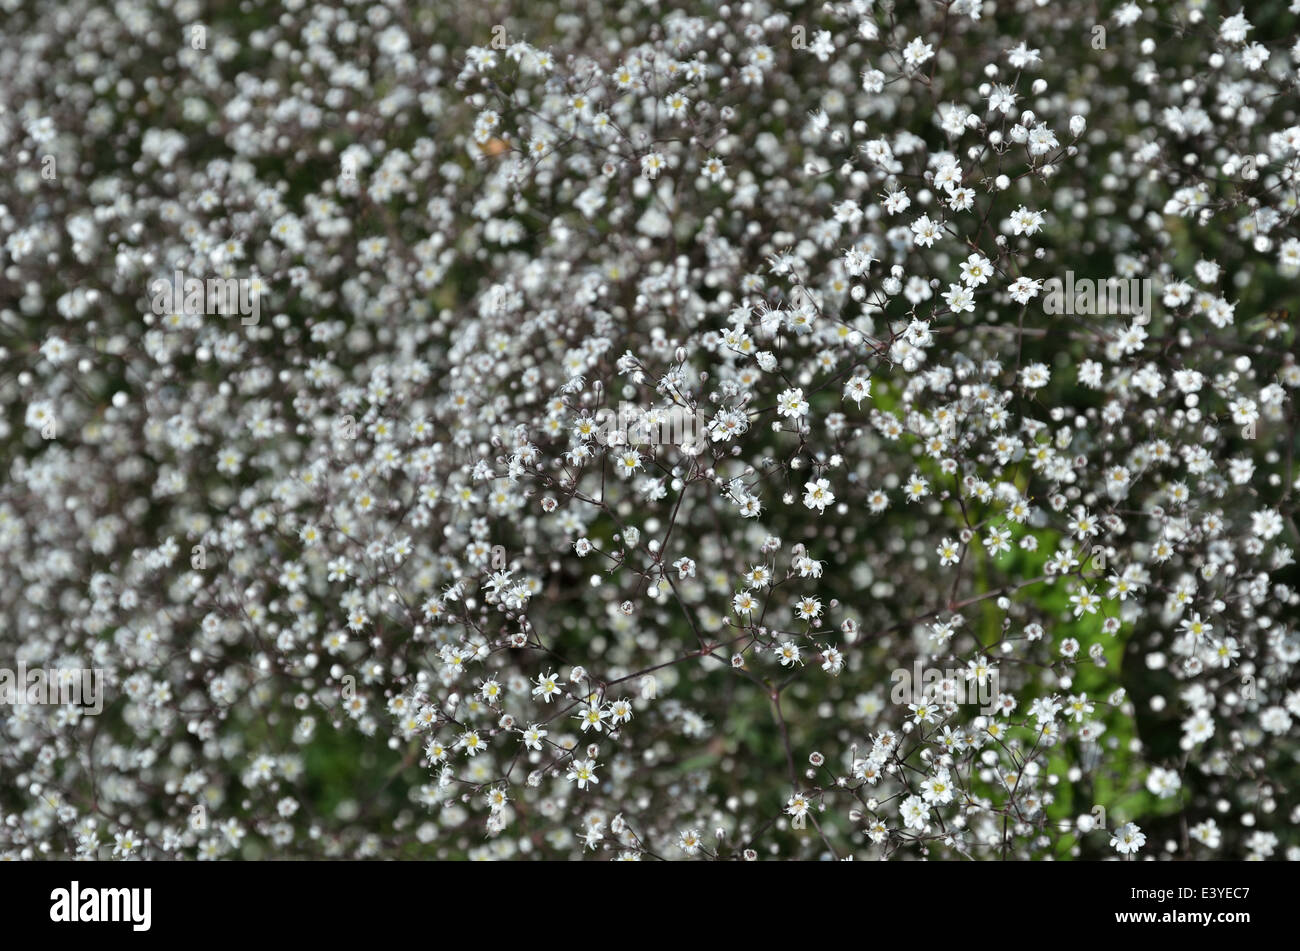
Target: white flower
583 772
917 52
792 404
1024 221
1127 839
915 812
1035 376
818 494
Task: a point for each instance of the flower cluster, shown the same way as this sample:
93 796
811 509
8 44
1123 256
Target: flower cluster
363 581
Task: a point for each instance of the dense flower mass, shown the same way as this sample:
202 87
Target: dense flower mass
973 322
